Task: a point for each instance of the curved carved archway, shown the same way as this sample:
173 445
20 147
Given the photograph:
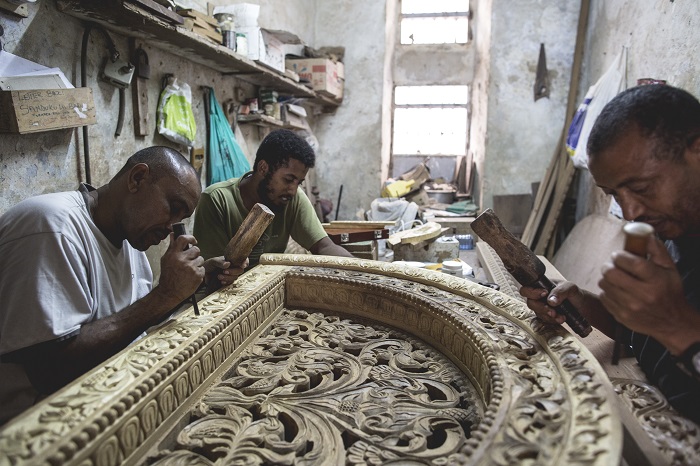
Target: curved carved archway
330 360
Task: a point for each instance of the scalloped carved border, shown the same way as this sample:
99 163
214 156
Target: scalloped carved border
116 412
104 417
546 366
677 437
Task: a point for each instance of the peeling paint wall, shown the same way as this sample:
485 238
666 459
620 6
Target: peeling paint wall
351 138
520 134
481 27
663 42
448 64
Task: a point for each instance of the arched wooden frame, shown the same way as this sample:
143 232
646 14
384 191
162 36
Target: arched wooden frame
543 397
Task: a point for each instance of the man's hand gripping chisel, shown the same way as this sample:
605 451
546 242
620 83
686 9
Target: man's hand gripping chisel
524 265
179 230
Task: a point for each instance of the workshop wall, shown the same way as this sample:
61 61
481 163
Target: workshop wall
663 42
351 137
53 161
513 146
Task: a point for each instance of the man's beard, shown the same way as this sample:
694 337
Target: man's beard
264 192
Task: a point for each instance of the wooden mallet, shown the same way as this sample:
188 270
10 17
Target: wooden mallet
246 237
524 265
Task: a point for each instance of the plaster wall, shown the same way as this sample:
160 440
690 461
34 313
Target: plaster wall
478 136
447 64
520 134
351 138
663 42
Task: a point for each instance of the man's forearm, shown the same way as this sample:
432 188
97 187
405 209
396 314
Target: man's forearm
50 366
326 247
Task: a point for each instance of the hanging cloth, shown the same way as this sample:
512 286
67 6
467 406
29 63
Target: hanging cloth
226 158
598 95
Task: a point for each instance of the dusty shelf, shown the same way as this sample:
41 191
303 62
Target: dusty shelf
131 20
260 119
19 10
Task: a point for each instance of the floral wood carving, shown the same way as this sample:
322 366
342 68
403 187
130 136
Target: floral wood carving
537 395
323 390
677 437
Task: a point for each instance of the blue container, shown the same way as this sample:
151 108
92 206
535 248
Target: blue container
466 242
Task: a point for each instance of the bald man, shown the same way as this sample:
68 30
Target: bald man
76 286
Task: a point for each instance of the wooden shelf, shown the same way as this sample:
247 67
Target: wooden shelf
19 10
260 119
328 104
131 20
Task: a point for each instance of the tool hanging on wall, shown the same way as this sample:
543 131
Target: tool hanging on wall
542 76
118 73
140 90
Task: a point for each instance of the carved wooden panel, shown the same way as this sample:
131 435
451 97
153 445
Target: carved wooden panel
676 437
325 390
318 360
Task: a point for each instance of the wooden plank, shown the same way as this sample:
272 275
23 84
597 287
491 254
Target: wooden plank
199 15
560 194
139 94
190 23
19 10
260 120
208 33
358 224
565 170
46 109
159 10
542 200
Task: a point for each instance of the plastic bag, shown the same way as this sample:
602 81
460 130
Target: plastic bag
175 117
226 158
598 95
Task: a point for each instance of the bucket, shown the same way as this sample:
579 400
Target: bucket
441 196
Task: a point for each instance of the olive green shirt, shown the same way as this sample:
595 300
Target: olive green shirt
221 211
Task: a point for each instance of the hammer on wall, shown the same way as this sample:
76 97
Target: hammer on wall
524 265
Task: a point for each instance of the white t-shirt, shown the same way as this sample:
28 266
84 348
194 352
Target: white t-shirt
57 272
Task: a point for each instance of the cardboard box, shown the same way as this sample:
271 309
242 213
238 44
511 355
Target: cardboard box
326 77
45 109
270 47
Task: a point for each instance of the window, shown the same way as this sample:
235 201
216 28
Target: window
434 21
430 120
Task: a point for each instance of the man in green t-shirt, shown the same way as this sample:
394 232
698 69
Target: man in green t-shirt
281 164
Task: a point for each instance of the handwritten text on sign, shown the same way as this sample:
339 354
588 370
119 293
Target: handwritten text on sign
40 110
